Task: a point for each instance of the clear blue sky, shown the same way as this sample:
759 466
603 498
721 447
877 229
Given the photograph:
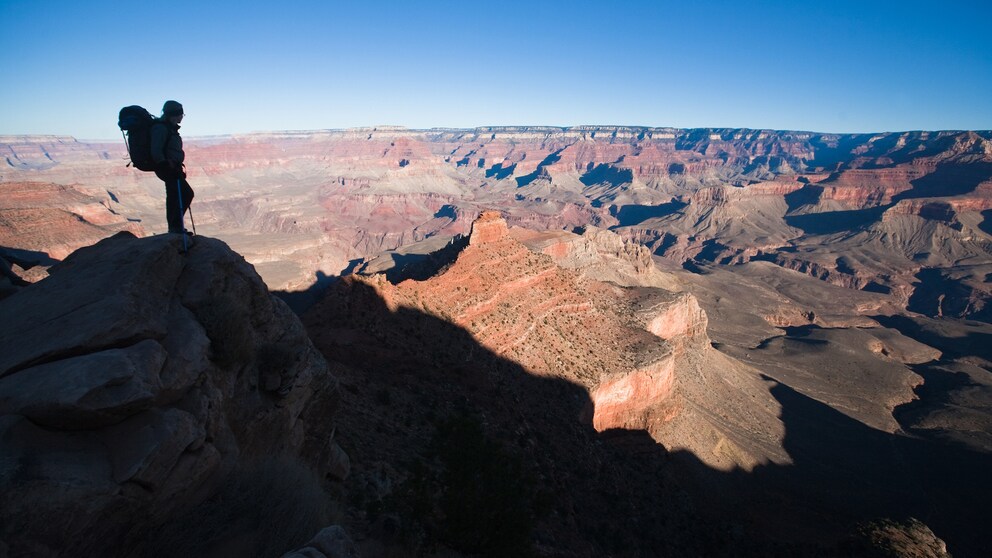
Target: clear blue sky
831 66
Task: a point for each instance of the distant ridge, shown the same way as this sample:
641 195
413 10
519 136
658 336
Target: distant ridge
724 133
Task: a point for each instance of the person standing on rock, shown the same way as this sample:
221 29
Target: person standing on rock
167 151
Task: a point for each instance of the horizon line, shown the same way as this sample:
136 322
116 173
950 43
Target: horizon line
497 128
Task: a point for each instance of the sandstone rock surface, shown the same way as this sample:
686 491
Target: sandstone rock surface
133 379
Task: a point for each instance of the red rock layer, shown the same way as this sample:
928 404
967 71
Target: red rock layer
55 219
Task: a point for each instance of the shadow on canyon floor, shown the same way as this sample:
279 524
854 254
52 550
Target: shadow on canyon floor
10 280
833 151
629 215
986 225
406 374
958 340
27 258
938 294
831 222
947 180
807 195
529 178
301 301
606 173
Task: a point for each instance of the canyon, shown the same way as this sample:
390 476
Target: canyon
902 213
816 407
779 334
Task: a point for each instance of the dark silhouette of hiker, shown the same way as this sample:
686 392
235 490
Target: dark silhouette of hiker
167 150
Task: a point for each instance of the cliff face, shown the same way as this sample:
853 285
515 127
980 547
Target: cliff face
599 255
134 380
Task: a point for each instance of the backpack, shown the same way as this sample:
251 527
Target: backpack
138 123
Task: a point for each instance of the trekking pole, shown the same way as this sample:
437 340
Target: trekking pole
126 148
182 220
191 222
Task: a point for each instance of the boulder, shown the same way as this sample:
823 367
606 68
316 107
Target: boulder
87 391
133 379
112 294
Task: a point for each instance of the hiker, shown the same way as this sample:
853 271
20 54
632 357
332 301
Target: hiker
167 152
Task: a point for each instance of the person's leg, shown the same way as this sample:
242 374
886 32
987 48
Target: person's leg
173 183
172 213
187 196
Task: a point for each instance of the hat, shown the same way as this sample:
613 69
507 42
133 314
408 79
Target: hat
172 108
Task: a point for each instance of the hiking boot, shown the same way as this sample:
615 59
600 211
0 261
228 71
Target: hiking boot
185 237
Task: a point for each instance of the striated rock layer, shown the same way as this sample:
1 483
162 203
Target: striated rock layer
41 223
637 351
857 210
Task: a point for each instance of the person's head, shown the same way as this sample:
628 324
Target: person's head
172 111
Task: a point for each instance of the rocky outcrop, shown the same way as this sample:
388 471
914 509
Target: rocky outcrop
488 228
520 304
641 353
632 401
134 379
910 539
653 395
681 318
600 255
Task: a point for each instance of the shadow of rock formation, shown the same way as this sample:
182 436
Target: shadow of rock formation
406 375
831 222
300 301
630 215
139 387
19 268
986 225
948 180
606 173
